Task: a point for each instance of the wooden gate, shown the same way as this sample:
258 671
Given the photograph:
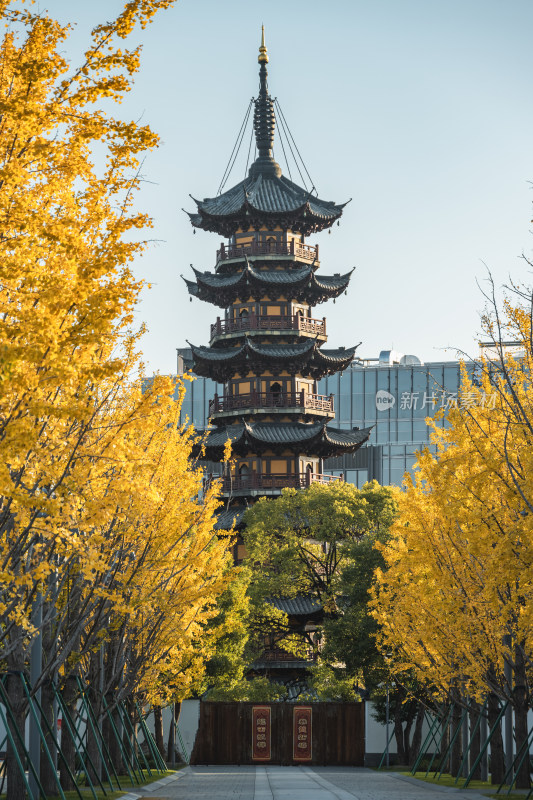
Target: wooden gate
281 733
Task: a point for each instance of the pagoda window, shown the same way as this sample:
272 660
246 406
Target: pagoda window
244 471
241 553
275 391
270 236
243 316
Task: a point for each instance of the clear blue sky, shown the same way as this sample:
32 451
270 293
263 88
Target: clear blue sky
421 111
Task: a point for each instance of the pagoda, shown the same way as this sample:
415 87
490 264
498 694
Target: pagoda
266 346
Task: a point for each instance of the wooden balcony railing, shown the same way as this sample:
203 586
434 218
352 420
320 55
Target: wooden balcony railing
238 483
253 322
308 402
305 252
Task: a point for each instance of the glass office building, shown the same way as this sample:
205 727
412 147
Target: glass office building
395 398
393 393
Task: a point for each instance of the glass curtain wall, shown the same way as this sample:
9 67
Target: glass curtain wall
396 400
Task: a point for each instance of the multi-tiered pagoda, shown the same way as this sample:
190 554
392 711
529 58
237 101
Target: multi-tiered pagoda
267 345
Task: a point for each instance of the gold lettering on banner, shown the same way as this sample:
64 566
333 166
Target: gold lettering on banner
261 733
302 734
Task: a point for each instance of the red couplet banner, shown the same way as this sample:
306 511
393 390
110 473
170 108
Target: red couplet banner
302 737
261 747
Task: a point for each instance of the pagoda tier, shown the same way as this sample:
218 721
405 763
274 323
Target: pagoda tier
265 198
301 284
317 439
303 358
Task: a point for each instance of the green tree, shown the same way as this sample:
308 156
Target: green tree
225 670
318 543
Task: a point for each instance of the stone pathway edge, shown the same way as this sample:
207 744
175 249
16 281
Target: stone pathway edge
151 787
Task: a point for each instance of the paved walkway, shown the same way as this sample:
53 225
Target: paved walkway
294 783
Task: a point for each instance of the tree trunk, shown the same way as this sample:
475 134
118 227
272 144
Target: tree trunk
94 760
171 749
417 735
521 705
48 774
398 728
92 697
457 747
177 712
497 760
406 740
171 753
69 696
16 789
130 735
475 738
158 729
398 735
115 738
127 744
445 740
109 739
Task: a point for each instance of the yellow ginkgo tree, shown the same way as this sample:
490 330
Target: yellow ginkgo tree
455 601
106 532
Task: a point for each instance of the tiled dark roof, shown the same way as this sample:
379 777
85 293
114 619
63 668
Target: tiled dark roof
217 437
347 439
283 433
332 281
303 284
316 438
218 281
284 276
216 354
230 517
266 664
335 356
296 606
265 194
220 363
192 287
277 351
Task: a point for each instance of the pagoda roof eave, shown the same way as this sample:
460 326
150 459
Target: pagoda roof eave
265 197
230 518
285 276
328 362
306 223
299 606
302 284
213 280
310 439
221 363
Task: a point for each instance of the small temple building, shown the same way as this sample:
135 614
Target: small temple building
267 346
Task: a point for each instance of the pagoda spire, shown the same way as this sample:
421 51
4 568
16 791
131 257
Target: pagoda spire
264 120
263 52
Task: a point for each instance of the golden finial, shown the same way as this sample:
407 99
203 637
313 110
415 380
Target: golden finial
263 56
